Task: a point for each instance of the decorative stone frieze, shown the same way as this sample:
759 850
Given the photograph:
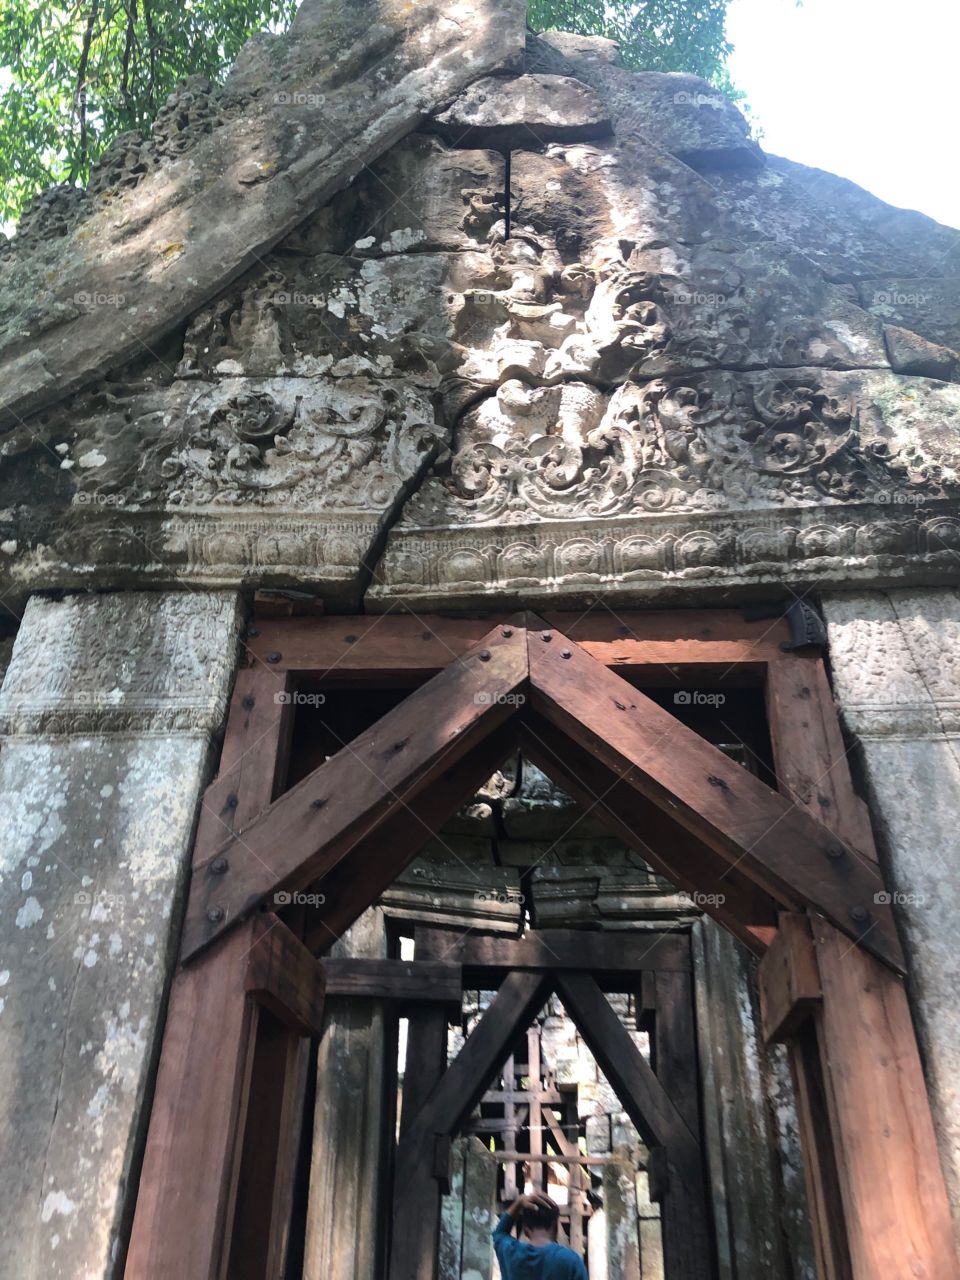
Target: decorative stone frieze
136 664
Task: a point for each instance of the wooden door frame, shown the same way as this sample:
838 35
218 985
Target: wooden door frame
799 868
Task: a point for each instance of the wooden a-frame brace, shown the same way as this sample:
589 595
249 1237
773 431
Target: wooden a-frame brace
876 1187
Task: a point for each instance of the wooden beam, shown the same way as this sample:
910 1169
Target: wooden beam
374 862
789 980
310 828
771 839
810 758
894 1195
401 648
183 1219
825 1203
643 1096
556 949
688 1243
413 1249
723 892
420 981
284 977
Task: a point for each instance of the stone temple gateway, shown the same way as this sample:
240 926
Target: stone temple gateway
479 547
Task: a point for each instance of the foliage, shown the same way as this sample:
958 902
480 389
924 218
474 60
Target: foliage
655 35
74 75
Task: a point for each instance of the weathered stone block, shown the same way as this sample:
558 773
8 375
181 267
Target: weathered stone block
109 706
528 111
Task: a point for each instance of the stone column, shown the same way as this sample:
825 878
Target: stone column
895 660
107 710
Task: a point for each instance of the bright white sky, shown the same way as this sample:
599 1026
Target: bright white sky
868 89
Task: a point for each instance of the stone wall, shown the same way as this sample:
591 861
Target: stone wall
107 710
895 658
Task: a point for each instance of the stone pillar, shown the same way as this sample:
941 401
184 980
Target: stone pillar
107 711
895 660
344 1219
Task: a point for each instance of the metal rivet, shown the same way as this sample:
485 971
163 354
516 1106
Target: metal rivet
318 803
349 639
215 915
253 631
249 702
507 632
274 657
859 914
484 655
565 653
218 866
232 801
835 850
546 636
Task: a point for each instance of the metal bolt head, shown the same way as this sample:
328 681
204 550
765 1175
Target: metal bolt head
835 850
232 801
218 866
507 632
249 702
546 636
859 915
215 914
253 631
484 655
565 653
274 657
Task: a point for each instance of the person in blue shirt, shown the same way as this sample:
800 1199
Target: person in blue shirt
536 1254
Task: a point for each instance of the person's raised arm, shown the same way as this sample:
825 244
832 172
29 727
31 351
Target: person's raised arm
508 1219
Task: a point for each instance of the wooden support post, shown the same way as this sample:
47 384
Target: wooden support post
413 1245
892 1185
789 980
876 1188
688 1239
185 1207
